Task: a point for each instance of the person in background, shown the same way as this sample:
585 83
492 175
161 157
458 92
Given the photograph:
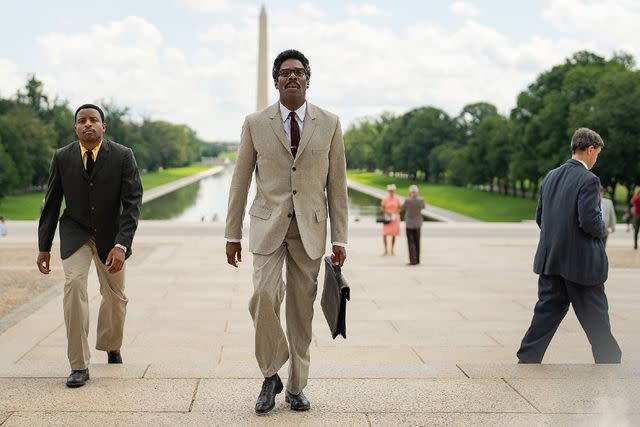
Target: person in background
570 259
3 227
608 215
627 218
412 207
635 202
390 206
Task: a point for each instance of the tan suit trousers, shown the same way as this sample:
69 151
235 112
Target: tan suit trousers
113 308
272 347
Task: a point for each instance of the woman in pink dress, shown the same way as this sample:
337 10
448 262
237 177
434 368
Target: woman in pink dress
390 205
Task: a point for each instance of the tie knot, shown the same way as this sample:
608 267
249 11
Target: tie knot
292 115
89 153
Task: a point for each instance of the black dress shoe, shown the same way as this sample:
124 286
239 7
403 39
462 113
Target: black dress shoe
267 398
299 402
78 378
114 356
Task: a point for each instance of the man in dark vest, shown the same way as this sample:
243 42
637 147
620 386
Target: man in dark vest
570 259
100 183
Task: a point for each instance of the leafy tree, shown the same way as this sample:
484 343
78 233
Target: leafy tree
33 96
29 142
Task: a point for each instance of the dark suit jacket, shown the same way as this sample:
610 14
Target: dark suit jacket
104 207
571 226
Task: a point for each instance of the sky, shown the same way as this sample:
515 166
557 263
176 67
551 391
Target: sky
195 61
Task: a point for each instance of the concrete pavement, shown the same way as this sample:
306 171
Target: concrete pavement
427 345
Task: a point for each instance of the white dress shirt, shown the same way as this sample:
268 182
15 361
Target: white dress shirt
286 121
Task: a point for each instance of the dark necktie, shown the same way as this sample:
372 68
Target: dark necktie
90 162
295 133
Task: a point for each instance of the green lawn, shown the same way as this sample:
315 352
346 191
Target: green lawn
231 155
156 179
27 206
21 207
477 204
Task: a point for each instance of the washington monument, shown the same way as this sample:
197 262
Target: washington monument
263 68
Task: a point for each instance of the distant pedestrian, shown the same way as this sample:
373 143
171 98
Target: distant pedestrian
635 202
412 207
627 218
608 215
3 227
390 206
570 258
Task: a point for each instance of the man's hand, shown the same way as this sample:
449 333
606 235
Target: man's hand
115 260
339 255
234 253
609 230
43 262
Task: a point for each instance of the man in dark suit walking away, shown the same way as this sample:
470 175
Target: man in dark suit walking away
571 259
100 183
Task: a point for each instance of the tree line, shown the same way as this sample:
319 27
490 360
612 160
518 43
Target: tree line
480 146
32 126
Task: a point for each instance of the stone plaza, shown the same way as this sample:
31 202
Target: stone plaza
428 345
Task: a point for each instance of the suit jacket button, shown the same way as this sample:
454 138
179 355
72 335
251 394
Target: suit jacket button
293 168
91 184
289 215
294 191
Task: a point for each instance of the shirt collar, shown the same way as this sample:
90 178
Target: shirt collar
583 163
300 112
94 151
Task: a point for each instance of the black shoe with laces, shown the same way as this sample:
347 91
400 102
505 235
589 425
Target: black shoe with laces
267 398
298 402
78 378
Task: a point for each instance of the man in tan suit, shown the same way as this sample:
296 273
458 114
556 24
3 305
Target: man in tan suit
297 153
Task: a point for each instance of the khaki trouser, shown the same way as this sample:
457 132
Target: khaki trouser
112 312
272 349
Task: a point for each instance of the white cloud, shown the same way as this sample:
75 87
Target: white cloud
310 11
359 66
464 8
10 79
366 68
366 9
610 22
206 5
225 33
128 61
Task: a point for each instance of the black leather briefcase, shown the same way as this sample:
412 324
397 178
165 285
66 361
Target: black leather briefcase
335 295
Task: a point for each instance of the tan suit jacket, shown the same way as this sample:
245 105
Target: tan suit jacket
314 184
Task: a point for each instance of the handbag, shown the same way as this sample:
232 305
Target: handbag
335 295
384 219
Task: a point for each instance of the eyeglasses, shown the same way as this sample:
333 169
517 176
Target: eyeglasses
286 72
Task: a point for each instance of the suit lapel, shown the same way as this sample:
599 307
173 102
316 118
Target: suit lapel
308 129
103 156
278 127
